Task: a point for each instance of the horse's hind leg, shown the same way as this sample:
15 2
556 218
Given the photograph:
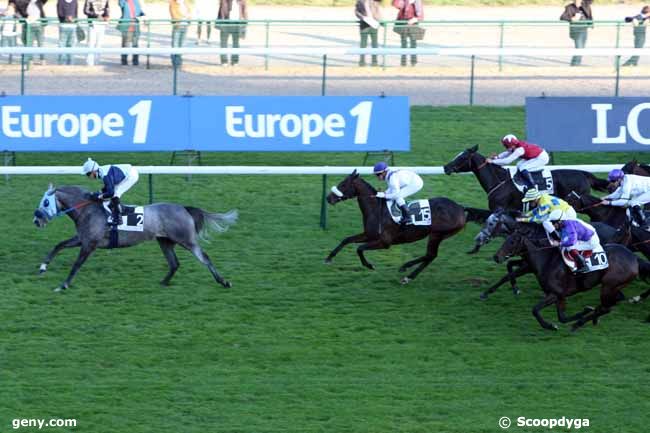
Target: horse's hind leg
68 243
432 253
203 258
167 247
410 263
561 312
361 237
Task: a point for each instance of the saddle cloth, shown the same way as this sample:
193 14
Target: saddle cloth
596 259
419 212
543 180
132 218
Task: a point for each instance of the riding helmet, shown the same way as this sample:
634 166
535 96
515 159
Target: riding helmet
615 175
380 167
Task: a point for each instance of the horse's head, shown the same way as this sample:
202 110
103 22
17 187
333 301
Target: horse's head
514 245
47 208
462 163
631 167
499 223
346 189
575 200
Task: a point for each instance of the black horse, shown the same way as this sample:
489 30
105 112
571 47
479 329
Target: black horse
558 282
380 231
502 223
634 167
501 191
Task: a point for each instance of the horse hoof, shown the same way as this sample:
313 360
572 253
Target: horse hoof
405 280
42 269
328 261
370 266
635 300
227 284
401 269
61 288
484 296
164 283
516 291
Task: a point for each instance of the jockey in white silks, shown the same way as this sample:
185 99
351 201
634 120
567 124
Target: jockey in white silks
117 179
401 184
631 190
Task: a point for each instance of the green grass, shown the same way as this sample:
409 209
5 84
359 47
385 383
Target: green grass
297 346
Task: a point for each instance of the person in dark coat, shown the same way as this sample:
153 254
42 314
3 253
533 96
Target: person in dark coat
410 12
129 26
236 12
580 18
33 28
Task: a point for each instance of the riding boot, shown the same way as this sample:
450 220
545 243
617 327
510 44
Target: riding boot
528 178
115 211
125 59
136 60
639 216
405 215
581 263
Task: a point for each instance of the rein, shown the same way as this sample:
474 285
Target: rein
479 167
590 206
75 207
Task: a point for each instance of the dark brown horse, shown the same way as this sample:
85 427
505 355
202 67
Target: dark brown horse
501 191
380 231
634 167
558 282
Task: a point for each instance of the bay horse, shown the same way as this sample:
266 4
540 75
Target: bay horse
502 192
635 167
380 231
169 224
558 282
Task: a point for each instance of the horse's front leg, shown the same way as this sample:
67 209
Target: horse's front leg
86 251
68 243
361 237
511 276
549 299
561 312
374 245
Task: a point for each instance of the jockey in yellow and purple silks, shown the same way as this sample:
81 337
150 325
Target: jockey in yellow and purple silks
546 209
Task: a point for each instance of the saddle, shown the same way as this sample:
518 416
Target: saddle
419 212
132 218
596 260
543 181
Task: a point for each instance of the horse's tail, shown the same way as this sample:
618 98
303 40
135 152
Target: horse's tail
644 269
596 183
476 215
204 222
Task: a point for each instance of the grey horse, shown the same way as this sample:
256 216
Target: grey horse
168 223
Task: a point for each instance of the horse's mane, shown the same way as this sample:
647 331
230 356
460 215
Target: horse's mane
497 168
366 183
72 189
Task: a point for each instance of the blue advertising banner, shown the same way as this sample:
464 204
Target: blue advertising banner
589 124
207 123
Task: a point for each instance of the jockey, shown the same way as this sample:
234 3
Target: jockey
533 157
631 190
401 184
545 209
576 236
117 179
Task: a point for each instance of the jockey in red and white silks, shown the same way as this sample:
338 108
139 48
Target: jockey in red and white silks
401 184
533 157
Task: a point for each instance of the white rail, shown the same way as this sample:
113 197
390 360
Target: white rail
254 170
471 51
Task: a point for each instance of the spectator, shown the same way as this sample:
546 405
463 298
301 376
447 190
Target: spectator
179 14
8 28
579 16
369 16
129 26
639 25
67 13
410 13
236 12
31 11
98 12
205 13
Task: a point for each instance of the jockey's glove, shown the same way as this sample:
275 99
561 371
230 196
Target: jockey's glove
381 194
97 196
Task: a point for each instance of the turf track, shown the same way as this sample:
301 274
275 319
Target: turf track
295 345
